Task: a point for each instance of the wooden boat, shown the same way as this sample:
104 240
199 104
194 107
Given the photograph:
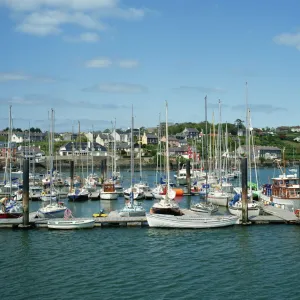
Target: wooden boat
71 224
108 191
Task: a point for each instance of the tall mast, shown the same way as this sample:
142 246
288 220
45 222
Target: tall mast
140 154
51 152
112 149
206 148
167 151
10 150
92 150
131 157
115 151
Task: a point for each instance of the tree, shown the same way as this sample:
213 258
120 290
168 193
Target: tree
239 123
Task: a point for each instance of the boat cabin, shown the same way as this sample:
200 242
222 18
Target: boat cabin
108 187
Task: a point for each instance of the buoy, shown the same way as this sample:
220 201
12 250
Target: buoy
178 191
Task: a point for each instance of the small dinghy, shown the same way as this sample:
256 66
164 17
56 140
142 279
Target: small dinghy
69 222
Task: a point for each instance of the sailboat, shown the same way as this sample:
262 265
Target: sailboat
235 205
132 208
54 209
9 208
78 193
108 190
217 195
167 213
205 207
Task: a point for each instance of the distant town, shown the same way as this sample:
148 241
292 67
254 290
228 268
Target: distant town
185 141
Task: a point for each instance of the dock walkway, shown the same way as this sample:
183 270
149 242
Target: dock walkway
276 214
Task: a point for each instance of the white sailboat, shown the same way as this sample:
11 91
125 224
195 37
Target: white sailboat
132 208
54 209
217 195
235 205
205 207
166 213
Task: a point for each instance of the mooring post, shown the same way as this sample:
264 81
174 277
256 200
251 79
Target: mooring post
25 192
244 169
188 176
71 174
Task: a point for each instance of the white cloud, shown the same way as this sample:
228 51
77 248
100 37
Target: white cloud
49 22
21 77
13 77
118 88
107 62
29 5
44 17
288 39
98 63
128 63
88 37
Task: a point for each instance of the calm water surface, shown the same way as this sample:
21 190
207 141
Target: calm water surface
251 262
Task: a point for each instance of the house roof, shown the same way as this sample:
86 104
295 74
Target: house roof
84 146
191 130
151 136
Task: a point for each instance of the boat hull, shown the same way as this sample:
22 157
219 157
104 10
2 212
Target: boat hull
185 221
51 214
71 224
109 196
218 200
78 198
10 215
237 211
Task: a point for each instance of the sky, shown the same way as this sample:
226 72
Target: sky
94 61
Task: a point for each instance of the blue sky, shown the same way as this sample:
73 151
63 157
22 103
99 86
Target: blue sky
92 60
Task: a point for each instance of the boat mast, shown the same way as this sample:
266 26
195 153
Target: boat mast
167 153
115 151
248 140
51 152
10 149
131 157
92 150
205 151
140 154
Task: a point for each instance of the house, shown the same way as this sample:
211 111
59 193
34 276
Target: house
149 139
295 129
104 139
190 133
17 137
69 136
82 149
6 149
177 151
283 129
267 152
32 153
241 132
173 141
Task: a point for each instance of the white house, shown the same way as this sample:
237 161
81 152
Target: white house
17 138
295 129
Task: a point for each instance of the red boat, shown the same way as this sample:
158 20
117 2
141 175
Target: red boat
7 215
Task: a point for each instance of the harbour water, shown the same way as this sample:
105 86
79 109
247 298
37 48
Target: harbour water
239 262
